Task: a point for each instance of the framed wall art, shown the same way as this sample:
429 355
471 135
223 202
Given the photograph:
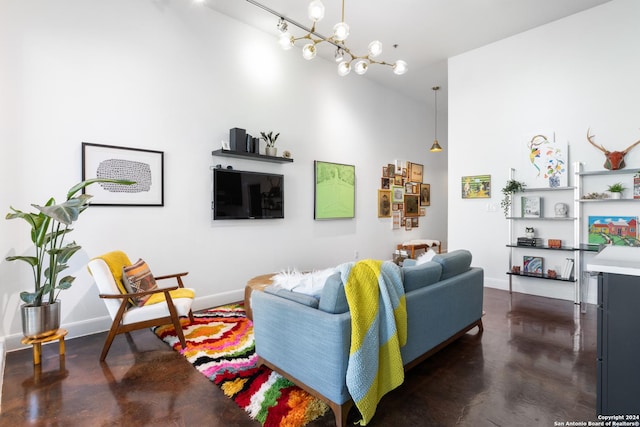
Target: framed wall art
411 205
144 167
476 187
384 203
334 191
614 230
415 172
531 206
397 194
425 194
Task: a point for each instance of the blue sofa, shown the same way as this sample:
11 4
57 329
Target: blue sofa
307 339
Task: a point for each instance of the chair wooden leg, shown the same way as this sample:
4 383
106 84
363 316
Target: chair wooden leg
115 326
175 320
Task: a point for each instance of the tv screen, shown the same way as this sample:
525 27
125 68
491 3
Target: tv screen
247 195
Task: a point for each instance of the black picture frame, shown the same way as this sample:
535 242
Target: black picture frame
145 167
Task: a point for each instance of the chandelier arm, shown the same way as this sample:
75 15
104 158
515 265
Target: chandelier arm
299 25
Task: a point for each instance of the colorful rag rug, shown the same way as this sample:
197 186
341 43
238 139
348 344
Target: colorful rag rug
221 346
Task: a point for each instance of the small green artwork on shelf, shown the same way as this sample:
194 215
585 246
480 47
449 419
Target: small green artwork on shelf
531 207
614 230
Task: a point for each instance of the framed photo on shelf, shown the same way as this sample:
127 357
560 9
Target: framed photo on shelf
144 167
532 265
531 207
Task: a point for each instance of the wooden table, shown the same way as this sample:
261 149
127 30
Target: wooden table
258 283
412 248
37 344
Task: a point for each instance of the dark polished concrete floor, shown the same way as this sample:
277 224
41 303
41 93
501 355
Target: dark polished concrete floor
533 365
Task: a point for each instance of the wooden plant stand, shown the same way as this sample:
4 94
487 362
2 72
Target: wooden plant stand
37 344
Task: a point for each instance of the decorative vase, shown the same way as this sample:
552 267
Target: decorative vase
271 151
40 321
554 181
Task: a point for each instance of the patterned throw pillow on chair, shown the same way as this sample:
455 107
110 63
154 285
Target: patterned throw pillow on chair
138 278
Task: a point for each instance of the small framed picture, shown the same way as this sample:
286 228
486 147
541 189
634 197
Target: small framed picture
532 265
415 172
384 183
395 220
404 172
391 169
414 222
395 207
397 194
397 180
384 203
425 194
407 224
423 211
531 206
411 205
408 188
385 171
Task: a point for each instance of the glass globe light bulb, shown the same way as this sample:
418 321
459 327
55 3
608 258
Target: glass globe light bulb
316 10
375 48
338 55
341 31
361 66
286 41
309 51
400 67
344 68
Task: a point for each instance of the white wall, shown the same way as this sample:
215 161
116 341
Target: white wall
172 76
570 75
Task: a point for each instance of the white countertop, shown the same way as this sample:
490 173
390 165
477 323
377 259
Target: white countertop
617 260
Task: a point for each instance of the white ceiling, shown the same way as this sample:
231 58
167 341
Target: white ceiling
427 32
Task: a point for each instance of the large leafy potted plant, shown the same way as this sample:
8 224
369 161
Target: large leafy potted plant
49 228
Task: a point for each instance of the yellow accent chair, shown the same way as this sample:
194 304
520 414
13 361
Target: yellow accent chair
165 305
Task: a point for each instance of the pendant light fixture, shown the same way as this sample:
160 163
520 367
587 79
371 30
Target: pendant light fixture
435 148
345 59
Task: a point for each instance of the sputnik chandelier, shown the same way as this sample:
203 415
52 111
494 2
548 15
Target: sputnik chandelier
346 59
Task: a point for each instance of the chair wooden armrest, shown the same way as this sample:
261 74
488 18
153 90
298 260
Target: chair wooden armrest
139 294
177 276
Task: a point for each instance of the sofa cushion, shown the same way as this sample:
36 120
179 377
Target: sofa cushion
419 276
333 299
138 278
293 296
453 263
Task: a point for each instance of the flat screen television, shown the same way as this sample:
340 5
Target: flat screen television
247 195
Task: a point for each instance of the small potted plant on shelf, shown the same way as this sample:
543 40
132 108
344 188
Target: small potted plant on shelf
48 229
509 190
270 139
616 190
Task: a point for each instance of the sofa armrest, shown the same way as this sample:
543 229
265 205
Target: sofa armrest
308 344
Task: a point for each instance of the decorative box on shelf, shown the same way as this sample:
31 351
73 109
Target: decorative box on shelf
554 243
529 241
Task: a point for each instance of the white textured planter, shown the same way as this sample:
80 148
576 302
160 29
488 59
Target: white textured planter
616 195
271 151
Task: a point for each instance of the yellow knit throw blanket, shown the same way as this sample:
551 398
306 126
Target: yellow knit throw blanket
377 303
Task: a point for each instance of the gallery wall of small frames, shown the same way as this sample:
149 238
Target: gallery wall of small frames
403 196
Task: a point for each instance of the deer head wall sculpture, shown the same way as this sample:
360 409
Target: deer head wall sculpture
615 159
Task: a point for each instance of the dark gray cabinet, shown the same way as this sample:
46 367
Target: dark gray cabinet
618 360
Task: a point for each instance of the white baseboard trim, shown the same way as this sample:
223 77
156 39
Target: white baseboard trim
101 324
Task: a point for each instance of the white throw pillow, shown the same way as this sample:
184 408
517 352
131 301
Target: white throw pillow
304 283
426 257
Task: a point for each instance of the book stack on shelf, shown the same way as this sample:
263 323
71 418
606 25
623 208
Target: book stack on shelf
529 241
567 269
